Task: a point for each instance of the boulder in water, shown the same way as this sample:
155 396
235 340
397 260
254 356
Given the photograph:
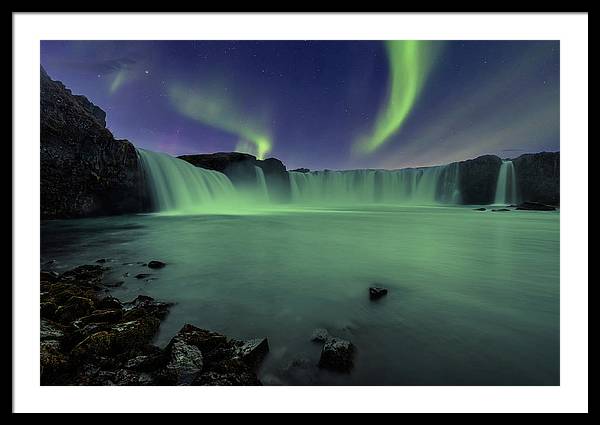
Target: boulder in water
480 209
253 351
155 264
376 292
500 210
337 355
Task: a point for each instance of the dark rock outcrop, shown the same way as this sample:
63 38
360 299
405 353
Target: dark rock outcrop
84 170
376 292
337 355
86 339
239 167
538 177
477 179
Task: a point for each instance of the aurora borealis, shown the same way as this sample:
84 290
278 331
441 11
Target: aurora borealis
322 104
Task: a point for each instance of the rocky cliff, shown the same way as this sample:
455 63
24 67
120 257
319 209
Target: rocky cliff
477 179
538 177
85 171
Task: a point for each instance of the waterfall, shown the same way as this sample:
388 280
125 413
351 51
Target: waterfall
261 185
506 187
176 185
423 186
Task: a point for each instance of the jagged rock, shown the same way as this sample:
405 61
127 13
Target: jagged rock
376 292
53 362
205 340
84 170
86 275
109 302
253 351
74 308
319 335
100 316
50 330
143 305
337 354
185 363
535 206
155 264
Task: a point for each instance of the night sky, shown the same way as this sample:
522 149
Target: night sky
322 104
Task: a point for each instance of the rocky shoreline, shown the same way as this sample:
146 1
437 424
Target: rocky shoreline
90 338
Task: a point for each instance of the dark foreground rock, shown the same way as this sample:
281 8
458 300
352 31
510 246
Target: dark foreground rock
337 355
90 339
535 206
376 292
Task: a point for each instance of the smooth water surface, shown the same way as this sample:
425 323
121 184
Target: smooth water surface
473 300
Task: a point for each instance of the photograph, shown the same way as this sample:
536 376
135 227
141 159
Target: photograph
312 213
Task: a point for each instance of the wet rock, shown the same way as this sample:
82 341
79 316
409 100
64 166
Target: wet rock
337 355
109 303
319 335
185 363
101 260
480 209
535 206
53 362
126 377
155 264
114 284
143 305
500 210
253 351
205 340
74 308
86 275
142 275
100 316
376 292
211 378
50 330
146 363
118 338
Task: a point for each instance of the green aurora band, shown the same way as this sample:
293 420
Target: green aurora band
215 109
409 65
